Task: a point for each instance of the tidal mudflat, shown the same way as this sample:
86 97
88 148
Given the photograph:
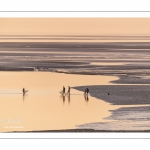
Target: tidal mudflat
117 74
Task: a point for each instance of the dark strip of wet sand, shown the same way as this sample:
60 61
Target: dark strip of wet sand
120 94
124 119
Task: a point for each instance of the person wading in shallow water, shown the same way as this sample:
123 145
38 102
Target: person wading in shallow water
23 90
63 90
69 89
87 91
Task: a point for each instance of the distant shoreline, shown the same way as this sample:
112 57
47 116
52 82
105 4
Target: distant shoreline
123 78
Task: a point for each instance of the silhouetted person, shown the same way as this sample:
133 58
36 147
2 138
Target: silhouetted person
87 91
69 89
23 90
63 90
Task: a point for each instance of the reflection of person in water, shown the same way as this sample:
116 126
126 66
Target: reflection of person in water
63 98
69 98
87 91
86 97
23 96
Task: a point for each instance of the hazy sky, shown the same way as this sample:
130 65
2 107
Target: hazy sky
74 26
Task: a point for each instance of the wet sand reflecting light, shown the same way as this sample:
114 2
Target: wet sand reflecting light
43 108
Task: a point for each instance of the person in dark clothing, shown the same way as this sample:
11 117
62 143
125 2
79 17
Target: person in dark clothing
87 91
23 90
69 89
63 90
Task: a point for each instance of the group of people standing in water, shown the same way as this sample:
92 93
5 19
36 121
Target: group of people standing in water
68 92
86 92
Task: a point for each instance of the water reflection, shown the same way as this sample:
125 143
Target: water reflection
63 98
24 97
86 97
45 104
68 98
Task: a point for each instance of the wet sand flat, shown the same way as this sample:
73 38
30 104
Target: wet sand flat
77 57
125 119
132 113
121 94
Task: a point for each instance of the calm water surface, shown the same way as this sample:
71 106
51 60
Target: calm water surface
43 108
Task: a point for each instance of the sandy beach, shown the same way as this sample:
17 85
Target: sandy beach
117 75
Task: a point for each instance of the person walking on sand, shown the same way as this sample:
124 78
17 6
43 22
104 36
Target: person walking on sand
69 89
63 90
